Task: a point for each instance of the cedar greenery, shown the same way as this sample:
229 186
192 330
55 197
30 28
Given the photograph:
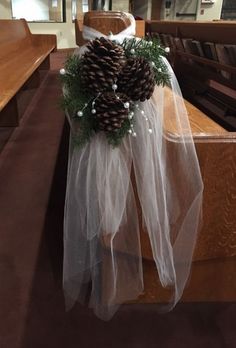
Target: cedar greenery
76 97
152 51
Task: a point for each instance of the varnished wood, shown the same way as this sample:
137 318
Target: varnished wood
213 275
214 256
208 62
213 31
214 263
140 28
105 22
201 125
21 54
202 55
210 281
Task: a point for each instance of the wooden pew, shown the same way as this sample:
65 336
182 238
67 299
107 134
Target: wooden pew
213 269
106 21
203 55
212 277
22 56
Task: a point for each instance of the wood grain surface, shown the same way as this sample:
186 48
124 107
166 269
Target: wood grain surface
21 54
105 22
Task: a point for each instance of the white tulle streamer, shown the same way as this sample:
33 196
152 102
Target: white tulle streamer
102 253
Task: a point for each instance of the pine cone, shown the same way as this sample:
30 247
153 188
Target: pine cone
101 65
110 111
137 79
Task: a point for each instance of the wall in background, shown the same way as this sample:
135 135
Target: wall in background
38 10
5 9
209 12
121 5
65 32
202 12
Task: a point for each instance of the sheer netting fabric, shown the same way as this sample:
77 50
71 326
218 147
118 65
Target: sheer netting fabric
105 186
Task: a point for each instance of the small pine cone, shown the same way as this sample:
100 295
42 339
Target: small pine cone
102 64
137 79
110 111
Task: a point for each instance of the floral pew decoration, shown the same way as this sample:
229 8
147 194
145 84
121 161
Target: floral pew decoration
105 84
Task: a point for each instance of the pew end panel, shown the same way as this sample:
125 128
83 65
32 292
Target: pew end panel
215 252
105 22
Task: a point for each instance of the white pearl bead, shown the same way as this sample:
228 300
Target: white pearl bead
62 71
114 87
142 112
159 70
132 51
110 36
130 117
129 131
153 64
167 49
80 113
85 104
93 111
134 134
126 105
150 130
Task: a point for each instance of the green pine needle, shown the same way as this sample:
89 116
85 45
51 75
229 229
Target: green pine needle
76 97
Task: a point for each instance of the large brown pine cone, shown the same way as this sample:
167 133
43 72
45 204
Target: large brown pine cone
110 111
102 64
137 79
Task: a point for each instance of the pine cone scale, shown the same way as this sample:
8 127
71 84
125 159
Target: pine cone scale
137 79
102 64
110 111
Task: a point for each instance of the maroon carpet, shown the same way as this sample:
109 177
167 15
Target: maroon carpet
32 311
26 172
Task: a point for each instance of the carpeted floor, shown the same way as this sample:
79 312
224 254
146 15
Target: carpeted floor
31 298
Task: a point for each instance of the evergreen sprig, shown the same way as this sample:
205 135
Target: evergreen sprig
153 52
76 98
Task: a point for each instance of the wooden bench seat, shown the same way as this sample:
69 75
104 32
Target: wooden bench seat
22 56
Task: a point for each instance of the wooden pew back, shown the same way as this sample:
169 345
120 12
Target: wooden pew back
22 55
218 31
203 55
105 22
14 36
